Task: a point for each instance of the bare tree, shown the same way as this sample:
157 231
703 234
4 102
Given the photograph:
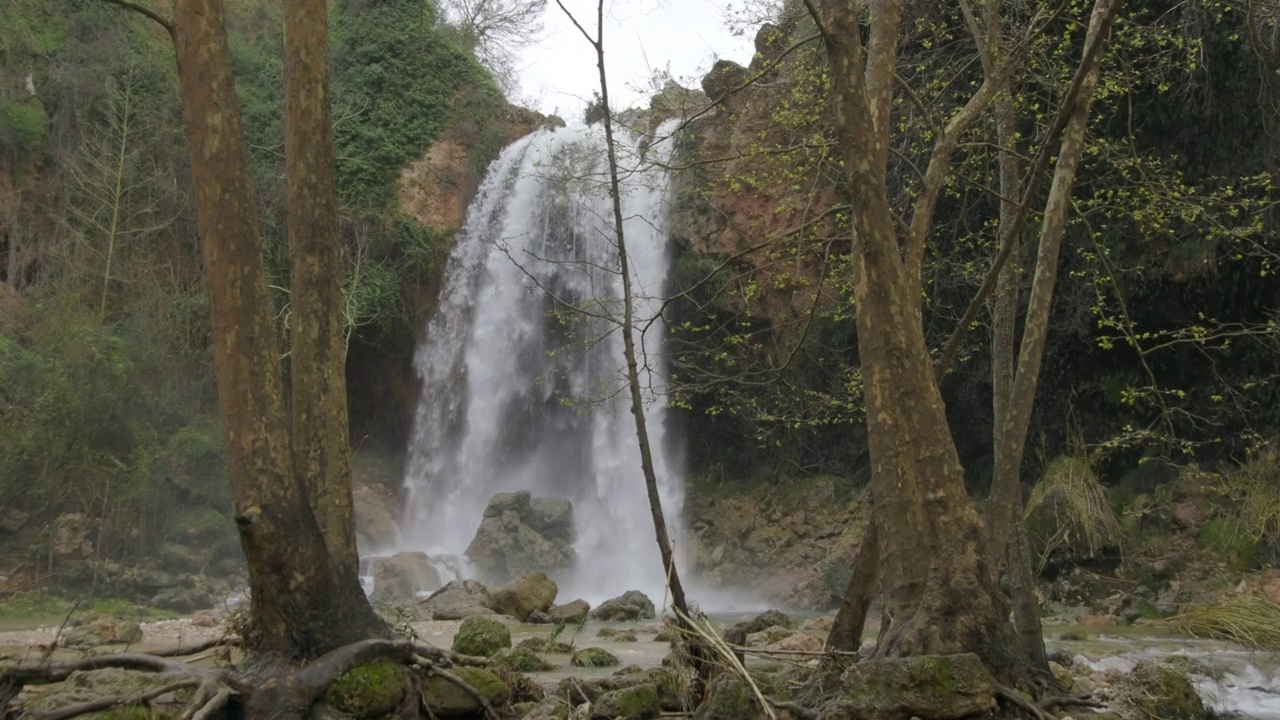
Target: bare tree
497 30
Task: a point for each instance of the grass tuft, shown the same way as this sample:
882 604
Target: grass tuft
1070 509
1248 620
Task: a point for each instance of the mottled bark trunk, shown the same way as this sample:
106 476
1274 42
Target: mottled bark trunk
937 587
846 631
302 606
317 354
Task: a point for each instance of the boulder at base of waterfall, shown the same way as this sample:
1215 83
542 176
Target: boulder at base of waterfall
458 600
938 687
481 636
630 605
574 611
532 593
398 579
520 535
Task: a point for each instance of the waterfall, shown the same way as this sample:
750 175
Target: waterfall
520 391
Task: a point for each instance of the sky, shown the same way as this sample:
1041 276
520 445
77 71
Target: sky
558 73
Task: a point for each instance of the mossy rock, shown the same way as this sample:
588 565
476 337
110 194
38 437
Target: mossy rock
445 699
939 687
521 659
637 702
1160 691
97 684
593 658
671 692
542 645
549 709
369 691
727 699
483 636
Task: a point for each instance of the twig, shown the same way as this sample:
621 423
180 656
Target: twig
108 703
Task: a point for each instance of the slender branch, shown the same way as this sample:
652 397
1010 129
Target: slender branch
594 42
163 21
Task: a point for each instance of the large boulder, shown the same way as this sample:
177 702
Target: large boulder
481 636
375 519
458 600
532 593
938 687
631 605
520 535
574 611
398 579
445 699
638 702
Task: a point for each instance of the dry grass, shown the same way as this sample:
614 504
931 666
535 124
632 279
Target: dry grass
1069 508
1248 620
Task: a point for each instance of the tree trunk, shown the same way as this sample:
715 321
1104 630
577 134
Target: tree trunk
846 631
318 349
302 606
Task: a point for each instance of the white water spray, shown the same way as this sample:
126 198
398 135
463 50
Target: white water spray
519 392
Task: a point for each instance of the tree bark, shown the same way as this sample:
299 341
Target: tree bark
318 348
302 606
846 631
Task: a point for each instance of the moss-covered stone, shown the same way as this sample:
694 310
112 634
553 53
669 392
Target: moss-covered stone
940 687
1164 692
672 693
637 702
480 635
726 699
593 658
549 709
97 684
445 699
521 659
541 645
369 691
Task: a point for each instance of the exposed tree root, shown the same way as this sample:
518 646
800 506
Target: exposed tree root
1055 701
1012 696
188 650
292 692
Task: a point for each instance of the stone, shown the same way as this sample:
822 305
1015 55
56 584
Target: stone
938 687
631 605
103 630
724 76
482 636
549 709
398 579
770 41
521 659
519 535
71 537
764 621
594 657
537 617
797 643
638 702
1061 675
534 592
822 623
574 611
1159 691
205 619
457 600
368 691
727 699
444 699
374 517
769 636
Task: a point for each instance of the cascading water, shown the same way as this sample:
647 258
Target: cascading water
520 391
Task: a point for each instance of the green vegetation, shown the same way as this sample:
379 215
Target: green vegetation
482 636
1246 619
1069 510
369 691
594 658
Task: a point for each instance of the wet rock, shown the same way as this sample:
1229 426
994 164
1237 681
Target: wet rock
574 611
1158 691
939 687
551 708
398 579
727 699
797 643
542 645
444 699
519 535
457 600
594 657
84 687
537 617
631 605
638 702
482 636
368 691
521 659
534 592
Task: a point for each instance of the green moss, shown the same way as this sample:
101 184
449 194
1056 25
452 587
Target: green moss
594 657
369 691
638 702
521 659
445 699
480 635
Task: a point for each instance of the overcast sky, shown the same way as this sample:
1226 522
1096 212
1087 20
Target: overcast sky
558 74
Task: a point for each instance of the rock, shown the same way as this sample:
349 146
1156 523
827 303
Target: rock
368 691
398 579
574 611
444 699
103 630
631 605
457 600
533 592
12 520
769 636
725 75
540 645
798 643
638 702
181 600
537 617
727 699
205 619
519 535
1061 675
822 623
1158 691
770 41
764 621
594 657
938 687
482 636
549 709
375 519
521 659
71 537
1189 515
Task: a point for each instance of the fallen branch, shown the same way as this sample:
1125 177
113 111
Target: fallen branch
1013 697
109 703
181 651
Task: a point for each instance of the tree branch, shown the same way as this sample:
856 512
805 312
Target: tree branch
163 21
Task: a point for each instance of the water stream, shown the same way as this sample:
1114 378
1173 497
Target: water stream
522 392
